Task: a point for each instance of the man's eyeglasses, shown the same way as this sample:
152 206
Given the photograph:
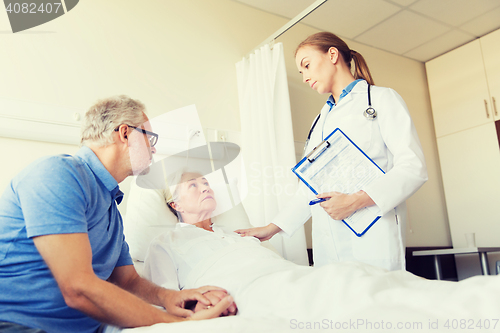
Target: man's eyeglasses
153 137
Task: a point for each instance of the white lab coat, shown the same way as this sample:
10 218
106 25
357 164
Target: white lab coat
391 141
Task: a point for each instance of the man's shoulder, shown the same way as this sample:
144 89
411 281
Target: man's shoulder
62 159
50 171
59 165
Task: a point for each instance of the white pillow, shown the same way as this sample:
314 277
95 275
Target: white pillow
148 215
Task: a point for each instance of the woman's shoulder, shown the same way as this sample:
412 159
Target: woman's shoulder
385 95
167 236
376 92
382 90
362 87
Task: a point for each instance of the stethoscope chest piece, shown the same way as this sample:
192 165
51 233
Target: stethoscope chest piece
370 113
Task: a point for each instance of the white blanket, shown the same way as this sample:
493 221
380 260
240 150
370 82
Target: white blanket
274 295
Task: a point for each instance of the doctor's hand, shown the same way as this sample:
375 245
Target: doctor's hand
177 302
262 233
340 205
215 296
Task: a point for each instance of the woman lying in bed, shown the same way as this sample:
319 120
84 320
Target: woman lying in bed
262 283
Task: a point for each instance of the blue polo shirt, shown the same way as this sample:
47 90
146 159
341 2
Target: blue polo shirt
56 195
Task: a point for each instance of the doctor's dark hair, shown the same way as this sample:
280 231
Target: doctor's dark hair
323 41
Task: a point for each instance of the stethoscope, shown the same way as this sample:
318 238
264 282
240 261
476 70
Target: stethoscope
369 113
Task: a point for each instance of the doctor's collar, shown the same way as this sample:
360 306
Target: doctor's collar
331 101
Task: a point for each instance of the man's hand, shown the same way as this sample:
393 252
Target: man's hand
214 311
215 296
175 301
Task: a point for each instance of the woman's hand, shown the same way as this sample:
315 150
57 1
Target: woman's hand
213 311
215 296
340 206
262 233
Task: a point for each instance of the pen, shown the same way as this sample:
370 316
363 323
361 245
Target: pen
315 201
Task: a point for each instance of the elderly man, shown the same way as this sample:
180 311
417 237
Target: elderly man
64 262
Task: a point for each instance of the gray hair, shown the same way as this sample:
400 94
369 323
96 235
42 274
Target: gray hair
107 114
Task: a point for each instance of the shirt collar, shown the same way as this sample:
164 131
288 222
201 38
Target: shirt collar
184 225
345 92
90 158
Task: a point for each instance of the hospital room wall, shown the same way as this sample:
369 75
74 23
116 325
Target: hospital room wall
174 53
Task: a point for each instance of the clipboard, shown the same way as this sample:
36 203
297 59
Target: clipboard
338 164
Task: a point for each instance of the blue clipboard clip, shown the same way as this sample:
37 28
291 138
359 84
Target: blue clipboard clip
318 150
315 201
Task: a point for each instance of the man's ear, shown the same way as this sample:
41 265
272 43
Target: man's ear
123 132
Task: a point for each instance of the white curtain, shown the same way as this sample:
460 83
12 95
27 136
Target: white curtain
267 143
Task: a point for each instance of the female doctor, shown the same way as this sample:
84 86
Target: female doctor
377 120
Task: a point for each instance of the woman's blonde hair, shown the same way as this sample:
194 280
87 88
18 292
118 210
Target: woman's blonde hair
107 114
323 41
173 181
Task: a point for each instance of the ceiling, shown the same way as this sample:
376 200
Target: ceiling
416 29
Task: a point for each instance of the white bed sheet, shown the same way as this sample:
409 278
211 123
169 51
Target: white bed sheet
281 297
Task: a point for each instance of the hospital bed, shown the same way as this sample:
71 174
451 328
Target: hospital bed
344 296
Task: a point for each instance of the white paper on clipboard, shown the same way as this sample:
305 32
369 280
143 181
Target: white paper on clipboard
337 164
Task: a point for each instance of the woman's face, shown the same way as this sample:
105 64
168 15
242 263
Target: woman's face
317 68
195 195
